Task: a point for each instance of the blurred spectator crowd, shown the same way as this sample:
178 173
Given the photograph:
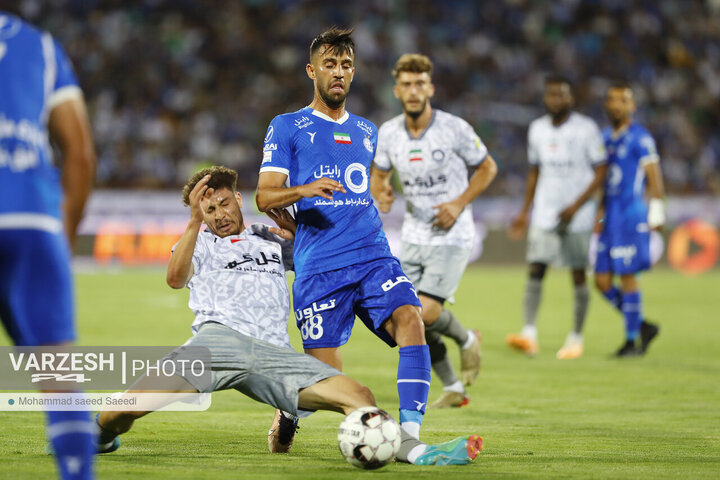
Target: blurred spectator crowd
172 84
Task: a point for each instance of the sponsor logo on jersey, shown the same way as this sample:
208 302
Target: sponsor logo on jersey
303 122
267 156
364 127
269 134
263 259
427 182
341 137
312 136
390 283
270 146
416 155
368 144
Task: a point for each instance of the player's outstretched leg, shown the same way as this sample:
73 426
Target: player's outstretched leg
282 432
454 394
459 451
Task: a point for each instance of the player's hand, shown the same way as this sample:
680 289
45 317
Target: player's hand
518 226
446 214
385 200
285 222
200 191
567 214
322 187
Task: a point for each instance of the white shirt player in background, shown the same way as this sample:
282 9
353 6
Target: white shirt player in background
567 165
432 152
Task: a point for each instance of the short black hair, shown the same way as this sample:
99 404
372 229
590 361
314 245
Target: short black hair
219 177
555 78
337 39
620 83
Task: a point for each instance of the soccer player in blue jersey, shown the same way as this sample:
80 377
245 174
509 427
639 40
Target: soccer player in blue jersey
318 158
625 219
40 100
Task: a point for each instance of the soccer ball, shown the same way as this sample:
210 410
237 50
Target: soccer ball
369 438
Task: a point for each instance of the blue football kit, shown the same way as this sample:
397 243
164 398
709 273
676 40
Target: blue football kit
624 244
36 299
343 262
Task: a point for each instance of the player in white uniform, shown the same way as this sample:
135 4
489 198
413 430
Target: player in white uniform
240 297
567 165
433 151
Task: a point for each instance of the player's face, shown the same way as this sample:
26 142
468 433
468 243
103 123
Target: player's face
221 212
414 90
558 99
332 73
619 105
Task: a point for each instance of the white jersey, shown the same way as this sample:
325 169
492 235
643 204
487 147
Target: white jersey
239 281
566 156
433 169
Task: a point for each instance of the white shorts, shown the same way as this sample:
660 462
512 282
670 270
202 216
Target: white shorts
434 270
568 249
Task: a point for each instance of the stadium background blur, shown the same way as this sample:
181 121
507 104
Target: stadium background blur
171 83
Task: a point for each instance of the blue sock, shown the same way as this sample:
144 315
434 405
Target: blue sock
413 381
632 311
74 440
614 296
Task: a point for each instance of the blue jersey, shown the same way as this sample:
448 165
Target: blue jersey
628 152
35 76
307 145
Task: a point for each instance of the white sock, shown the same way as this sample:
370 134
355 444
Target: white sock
416 452
455 387
412 428
575 338
471 339
529 331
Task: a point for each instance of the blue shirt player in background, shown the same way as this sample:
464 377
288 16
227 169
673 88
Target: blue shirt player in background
40 100
624 243
318 158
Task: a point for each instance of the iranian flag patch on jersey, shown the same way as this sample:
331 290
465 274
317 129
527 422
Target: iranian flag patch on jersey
416 155
342 137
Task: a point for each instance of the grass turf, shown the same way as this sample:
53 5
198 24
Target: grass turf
595 417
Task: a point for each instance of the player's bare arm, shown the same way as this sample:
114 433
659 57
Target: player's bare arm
271 192
567 214
381 190
519 223
448 212
656 188
180 268
70 130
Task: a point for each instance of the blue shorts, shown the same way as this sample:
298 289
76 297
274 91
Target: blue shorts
36 296
326 303
623 249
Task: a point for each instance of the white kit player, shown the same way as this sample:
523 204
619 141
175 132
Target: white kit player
434 153
240 298
567 166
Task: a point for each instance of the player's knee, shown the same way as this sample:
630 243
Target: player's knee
578 277
364 395
408 319
537 271
602 283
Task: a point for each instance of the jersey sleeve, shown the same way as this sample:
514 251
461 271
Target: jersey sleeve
647 151
382 153
277 148
66 85
468 145
595 146
533 155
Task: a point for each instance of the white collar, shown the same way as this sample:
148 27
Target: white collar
339 121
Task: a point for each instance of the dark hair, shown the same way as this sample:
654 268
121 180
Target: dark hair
413 63
555 78
219 177
338 41
620 84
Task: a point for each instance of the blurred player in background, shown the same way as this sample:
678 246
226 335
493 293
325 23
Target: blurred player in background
625 220
432 151
319 159
40 208
567 165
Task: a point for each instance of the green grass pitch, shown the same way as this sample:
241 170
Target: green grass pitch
595 417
